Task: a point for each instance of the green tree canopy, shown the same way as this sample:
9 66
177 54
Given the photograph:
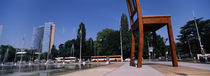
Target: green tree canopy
89 48
62 51
188 33
54 52
11 53
108 42
68 47
81 33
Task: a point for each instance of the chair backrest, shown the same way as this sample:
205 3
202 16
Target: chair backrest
134 8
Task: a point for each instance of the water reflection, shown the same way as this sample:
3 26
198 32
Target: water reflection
41 69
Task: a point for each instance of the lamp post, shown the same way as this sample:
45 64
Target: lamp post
121 44
101 41
148 49
80 45
199 39
72 49
166 55
190 49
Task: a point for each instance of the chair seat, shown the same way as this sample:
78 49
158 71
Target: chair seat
152 23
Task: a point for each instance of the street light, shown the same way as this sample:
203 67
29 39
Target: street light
190 49
72 49
121 44
148 49
80 45
199 39
101 40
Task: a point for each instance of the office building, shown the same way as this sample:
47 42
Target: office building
43 37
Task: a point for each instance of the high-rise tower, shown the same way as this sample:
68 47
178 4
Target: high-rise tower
43 37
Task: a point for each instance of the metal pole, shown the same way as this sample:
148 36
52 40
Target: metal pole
199 39
80 45
94 50
148 49
33 51
190 49
22 51
73 50
121 44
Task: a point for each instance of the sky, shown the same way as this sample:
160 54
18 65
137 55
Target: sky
19 17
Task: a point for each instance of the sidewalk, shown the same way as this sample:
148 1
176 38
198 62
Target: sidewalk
98 71
117 69
127 70
148 69
186 64
184 69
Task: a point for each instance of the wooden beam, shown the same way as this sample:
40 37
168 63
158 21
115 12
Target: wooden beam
148 27
130 10
158 16
134 4
132 48
134 8
133 13
154 20
132 33
172 44
141 34
148 23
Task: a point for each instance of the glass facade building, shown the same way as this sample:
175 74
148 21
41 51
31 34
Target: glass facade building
43 37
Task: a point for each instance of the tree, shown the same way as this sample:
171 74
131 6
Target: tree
108 42
125 36
160 49
65 50
54 52
62 51
148 40
44 56
124 24
68 46
11 53
189 35
89 48
81 33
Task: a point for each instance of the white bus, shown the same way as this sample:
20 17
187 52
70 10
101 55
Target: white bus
67 59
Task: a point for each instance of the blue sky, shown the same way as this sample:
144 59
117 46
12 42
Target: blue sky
18 17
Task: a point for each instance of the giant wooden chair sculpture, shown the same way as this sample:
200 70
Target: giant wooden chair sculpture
148 24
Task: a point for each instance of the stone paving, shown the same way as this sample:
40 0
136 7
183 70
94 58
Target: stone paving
181 70
184 69
148 69
117 69
98 71
127 70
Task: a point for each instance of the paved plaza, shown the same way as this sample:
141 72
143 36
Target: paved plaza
148 69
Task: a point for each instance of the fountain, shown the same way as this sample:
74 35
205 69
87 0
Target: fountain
5 56
15 59
72 50
48 54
